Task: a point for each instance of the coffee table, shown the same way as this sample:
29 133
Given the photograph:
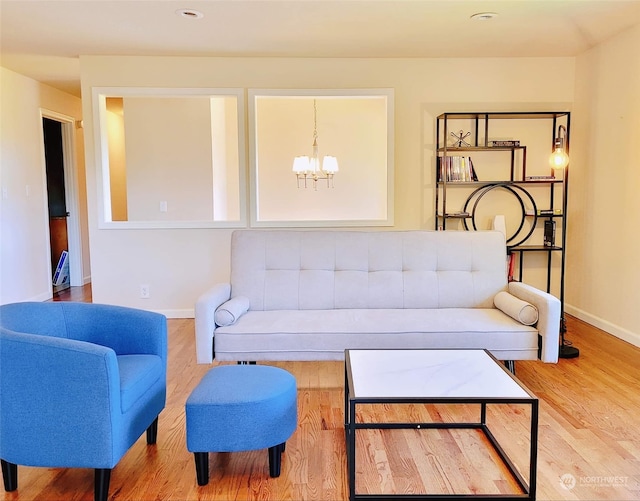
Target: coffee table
434 377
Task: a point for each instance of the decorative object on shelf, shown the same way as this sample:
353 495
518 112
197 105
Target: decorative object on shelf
460 139
305 167
499 224
507 143
549 233
559 158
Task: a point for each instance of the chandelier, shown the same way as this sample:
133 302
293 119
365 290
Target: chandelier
309 168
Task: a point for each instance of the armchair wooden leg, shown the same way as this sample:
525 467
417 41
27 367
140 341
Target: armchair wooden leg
9 475
101 487
152 432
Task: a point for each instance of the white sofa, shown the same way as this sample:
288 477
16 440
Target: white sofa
311 294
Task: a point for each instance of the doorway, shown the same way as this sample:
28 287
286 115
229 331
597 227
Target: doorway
63 222
57 204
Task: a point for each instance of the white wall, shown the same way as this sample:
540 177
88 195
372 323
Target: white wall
168 155
224 151
24 233
604 238
178 265
117 165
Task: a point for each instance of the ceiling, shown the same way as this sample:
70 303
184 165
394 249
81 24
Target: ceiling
44 39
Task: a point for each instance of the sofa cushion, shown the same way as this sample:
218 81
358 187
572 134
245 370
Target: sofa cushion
230 311
301 335
519 310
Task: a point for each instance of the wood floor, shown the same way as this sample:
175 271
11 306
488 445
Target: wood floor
589 439
81 294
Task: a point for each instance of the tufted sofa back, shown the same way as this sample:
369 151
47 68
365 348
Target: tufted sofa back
316 270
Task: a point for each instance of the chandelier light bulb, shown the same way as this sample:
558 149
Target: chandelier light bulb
330 164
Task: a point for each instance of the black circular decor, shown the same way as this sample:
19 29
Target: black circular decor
517 191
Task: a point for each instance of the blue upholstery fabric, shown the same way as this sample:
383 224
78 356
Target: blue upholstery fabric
79 383
137 375
241 408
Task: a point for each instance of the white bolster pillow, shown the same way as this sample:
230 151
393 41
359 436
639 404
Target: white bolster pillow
229 312
519 310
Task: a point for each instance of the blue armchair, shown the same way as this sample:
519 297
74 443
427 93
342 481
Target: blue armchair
79 384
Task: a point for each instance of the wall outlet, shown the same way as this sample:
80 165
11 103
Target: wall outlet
145 292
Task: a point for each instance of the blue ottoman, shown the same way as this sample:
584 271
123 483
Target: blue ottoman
241 408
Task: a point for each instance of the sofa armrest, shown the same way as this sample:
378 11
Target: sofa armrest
205 310
548 317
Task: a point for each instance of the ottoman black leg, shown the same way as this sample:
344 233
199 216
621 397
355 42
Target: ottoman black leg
275 460
102 478
9 475
202 467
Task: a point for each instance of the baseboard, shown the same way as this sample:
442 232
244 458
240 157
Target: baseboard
613 329
190 313
40 298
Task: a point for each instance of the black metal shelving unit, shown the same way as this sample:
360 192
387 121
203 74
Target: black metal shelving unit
517 183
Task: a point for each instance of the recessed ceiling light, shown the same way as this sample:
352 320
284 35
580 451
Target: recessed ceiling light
484 16
190 13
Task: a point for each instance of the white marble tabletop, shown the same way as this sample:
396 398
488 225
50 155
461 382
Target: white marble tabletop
430 374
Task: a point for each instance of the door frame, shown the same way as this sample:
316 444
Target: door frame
71 196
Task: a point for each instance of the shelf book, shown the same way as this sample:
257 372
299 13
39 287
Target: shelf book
456 169
504 144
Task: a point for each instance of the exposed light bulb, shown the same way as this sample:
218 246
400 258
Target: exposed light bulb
559 158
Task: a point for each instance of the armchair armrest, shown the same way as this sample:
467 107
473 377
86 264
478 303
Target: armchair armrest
126 330
205 309
548 317
57 391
